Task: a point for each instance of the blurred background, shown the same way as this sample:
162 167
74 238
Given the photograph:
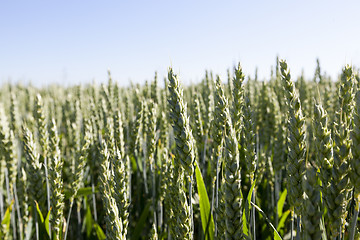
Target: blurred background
72 42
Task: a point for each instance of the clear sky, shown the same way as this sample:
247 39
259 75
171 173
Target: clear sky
77 41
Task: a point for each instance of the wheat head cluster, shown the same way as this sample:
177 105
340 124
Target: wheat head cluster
235 158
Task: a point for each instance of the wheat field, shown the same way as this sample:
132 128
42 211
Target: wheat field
235 158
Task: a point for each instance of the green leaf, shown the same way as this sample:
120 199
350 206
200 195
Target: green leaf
88 221
133 163
282 220
205 210
245 228
247 208
99 232
46 222
5 223
281 202
276 234
81 192
41 218
141 223
43 232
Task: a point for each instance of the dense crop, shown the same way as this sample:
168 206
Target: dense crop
248 159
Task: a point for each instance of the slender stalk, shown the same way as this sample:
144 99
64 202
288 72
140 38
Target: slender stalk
276 198
36 222
292 225
47 188
253 193
68 220
191 207
153 193
354 221
138 182
204 154
20 223
253 214
213 206
1 204
144 172
217 193
13 222
78 207
93 198
129 178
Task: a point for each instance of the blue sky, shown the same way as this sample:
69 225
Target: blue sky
69 42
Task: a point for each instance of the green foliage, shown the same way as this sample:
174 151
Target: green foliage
44 231
5 223
205 212
124 158
281 202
